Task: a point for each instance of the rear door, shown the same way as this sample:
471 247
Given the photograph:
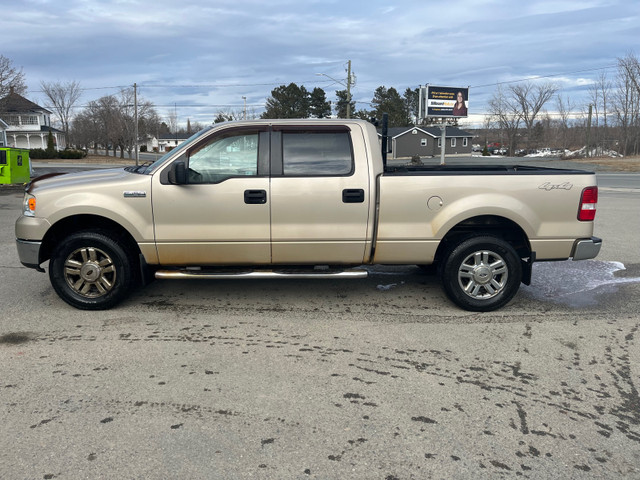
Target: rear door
319 199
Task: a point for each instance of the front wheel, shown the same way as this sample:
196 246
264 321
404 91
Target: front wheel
91 271
481 274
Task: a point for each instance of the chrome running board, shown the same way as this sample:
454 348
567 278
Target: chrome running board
233 274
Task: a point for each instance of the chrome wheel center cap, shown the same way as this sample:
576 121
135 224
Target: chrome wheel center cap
90 272
482 275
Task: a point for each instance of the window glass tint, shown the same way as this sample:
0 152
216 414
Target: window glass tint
316 153
224 157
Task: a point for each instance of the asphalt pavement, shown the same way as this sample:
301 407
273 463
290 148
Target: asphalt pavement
378 378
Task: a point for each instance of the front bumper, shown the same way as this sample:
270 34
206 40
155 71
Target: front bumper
586 248
29 253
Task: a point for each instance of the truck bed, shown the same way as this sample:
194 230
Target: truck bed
479 170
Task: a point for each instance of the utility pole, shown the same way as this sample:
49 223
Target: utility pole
589 128
349 89
244 115
443 140
135 120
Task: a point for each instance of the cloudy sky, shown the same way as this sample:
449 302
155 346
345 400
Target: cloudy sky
202 57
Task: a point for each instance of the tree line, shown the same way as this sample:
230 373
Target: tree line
610 121
517 115
293 101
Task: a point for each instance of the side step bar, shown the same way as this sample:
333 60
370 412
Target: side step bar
232 274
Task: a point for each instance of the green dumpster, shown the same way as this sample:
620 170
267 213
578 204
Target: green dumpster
14 165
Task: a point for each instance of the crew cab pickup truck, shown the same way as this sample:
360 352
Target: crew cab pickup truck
301 199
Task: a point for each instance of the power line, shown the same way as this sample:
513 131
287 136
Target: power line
199 85
537 77
186 105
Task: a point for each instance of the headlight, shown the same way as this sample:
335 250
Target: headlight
29 205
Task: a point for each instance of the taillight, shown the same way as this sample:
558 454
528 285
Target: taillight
588 203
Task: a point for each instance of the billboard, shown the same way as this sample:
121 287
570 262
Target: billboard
445 101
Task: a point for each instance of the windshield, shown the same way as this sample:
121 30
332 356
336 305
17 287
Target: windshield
150 167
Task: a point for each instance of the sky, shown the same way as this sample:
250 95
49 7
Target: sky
197 58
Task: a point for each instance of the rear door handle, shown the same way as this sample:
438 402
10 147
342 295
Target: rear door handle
255 197
353 195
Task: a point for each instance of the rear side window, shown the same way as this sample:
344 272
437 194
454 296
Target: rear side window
316 153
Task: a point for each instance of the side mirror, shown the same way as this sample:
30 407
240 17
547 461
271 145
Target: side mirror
178 173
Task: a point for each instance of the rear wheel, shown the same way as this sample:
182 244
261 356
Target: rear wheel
91 271
481 273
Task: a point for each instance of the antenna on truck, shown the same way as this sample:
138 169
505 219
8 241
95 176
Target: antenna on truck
385 131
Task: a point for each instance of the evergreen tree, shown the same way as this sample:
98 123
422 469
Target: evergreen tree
389 101
288 101
51 149
341 105
411 100
320 107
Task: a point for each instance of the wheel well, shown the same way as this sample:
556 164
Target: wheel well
69 225
500 227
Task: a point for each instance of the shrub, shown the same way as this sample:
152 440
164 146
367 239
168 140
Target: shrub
485 151
72 154
38 153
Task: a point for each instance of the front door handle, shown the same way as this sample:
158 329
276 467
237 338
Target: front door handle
255 197
353 195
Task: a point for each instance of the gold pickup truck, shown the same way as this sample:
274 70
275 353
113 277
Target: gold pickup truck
301 199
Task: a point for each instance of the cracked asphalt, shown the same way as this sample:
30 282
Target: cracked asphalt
380 378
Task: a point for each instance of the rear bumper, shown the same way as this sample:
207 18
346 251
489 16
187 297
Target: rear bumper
29 253
586 248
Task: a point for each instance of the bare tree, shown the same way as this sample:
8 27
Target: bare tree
507 114
147 119
626 104
600 99
531 97
10 77
565 108
110 122
63 98
172 121
631 66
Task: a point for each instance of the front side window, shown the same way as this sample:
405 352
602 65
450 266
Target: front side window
465 141
423 142
224 157
453 142
308 153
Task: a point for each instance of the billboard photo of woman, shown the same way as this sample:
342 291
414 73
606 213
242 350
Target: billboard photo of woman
459 109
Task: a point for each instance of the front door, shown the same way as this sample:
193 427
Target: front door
222 215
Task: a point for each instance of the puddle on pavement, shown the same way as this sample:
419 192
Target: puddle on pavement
577 284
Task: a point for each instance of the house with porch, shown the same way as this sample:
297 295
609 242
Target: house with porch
28 124
3 133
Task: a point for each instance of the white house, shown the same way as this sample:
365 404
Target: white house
165 142
28 124
3 133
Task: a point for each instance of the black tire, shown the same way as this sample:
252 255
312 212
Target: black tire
481 274
91 271
431 269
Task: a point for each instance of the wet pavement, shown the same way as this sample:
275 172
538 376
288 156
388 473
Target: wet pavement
375 378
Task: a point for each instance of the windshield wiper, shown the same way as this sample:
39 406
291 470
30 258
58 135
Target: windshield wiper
138 168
